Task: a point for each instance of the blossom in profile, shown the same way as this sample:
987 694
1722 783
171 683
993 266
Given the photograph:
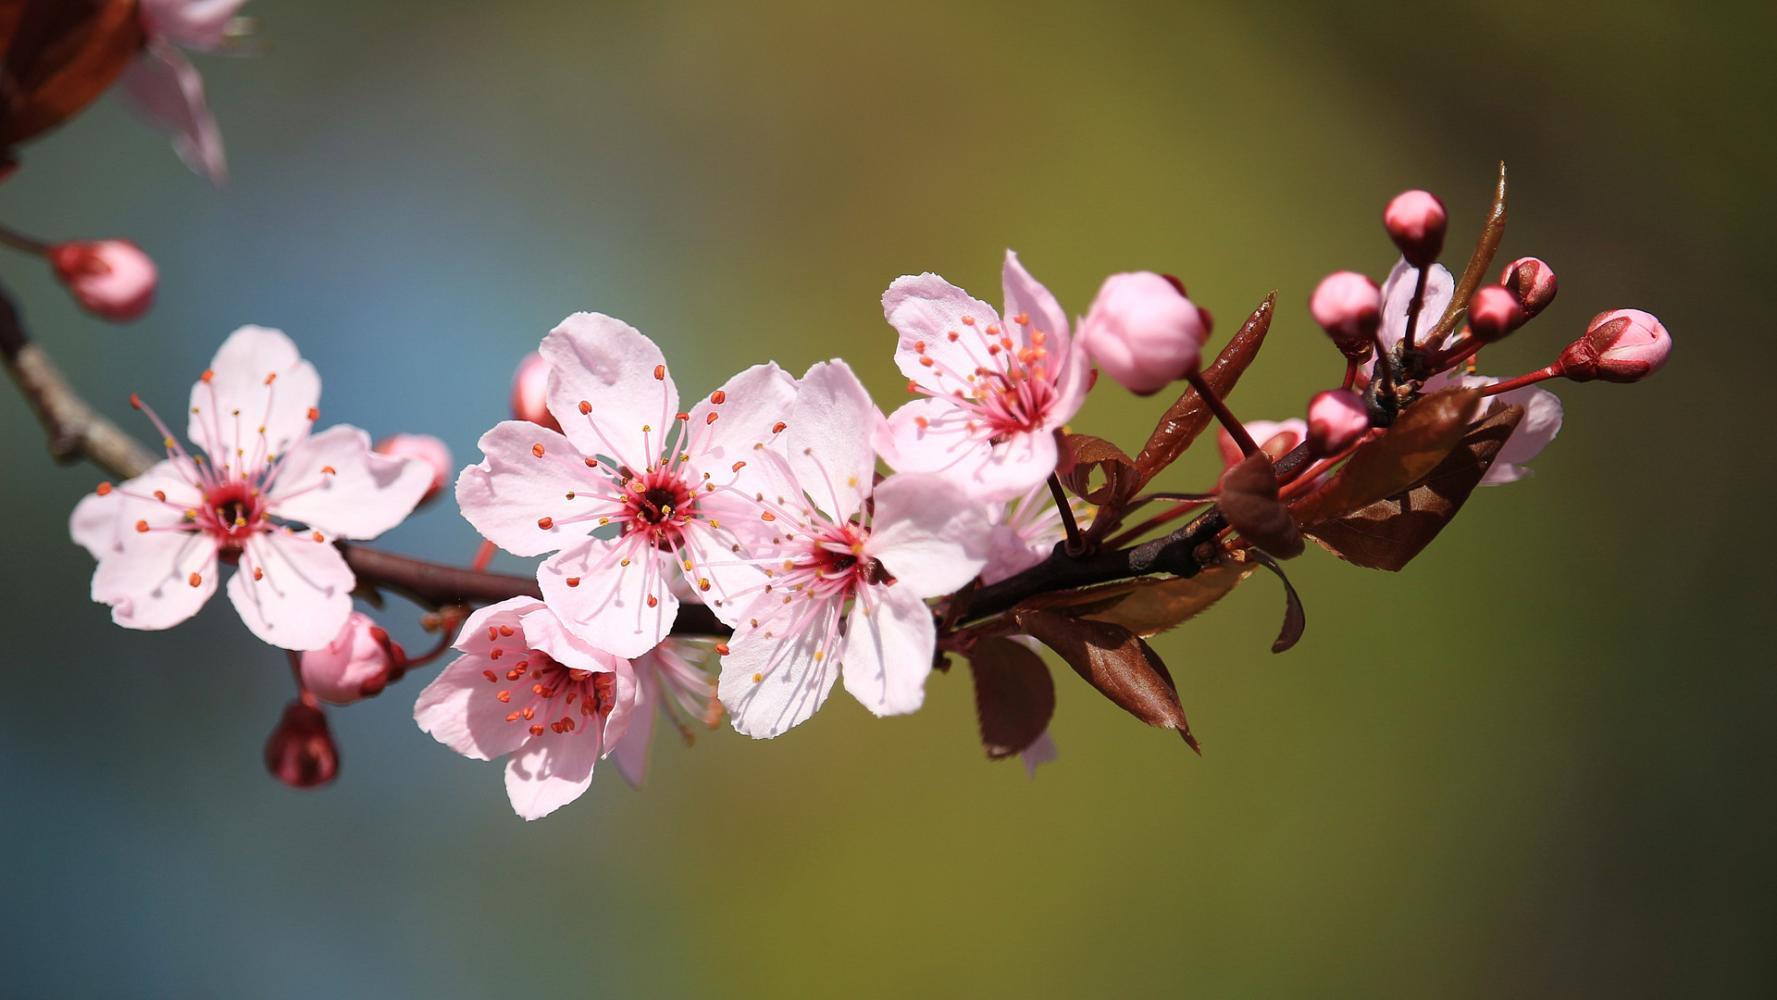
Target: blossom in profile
674 687
848 568
166 88
1024 532
632 492
528 689
261 491
996 389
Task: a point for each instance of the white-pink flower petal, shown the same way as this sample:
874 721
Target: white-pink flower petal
888 650
929 535
335 482
167 90
292 590
621 376
525 475
602 589
256 380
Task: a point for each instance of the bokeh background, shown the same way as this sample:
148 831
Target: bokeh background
1536 763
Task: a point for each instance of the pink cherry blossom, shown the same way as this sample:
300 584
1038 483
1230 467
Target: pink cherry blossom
1397 293
112 279
848 569
1024 533
425 448
166 87
1041 752
527 687
1539 425
263 492
1143 332
996 390
674 687
633 491
356 664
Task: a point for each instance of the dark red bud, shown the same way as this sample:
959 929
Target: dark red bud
300 752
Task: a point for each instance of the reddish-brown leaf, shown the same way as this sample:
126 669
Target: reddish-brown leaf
1248 499
1389 533
1116 662
1081 455
1419 439
1149 605
59 56
1014 695
1295 619
1189 415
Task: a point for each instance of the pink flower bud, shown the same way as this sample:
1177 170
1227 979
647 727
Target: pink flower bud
1532 281
1143 332
1348 306
358 663
112 279
1336 419
1276 438
1623 345
530 392
1494 312
423 448
1415 221
300 752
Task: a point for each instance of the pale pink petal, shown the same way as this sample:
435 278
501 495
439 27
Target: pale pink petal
828 442
167 90
525 476
929 535
195 24
1027 297
1072 381
103 524
1013 466
932 435
621 376
1397 293
1539 425
156 579
474 636
334 482
543 630
631 749
626 707
461 710
97 525
941 331
605 602
257 380
551 771
770 684
888 650
1041 752
754 402
304 596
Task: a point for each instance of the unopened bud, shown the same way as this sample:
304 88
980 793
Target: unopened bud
1493 313
1348 306
1415 221
358 663
530 392
300 752
1623 345
1533 283
1143 332
1337 418
112 279
1276 438
420 448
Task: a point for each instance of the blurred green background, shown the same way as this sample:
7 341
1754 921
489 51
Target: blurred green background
1536 763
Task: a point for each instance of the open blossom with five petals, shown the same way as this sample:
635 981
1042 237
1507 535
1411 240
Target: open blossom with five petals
166 87
997 389
633 492
527 686
849 568
263 493
1542 408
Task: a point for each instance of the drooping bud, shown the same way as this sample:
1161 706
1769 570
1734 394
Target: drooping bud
530 392
1622 345
300 752
1415 221
421 448
112 279
1348 306
1493 313
358 663
1143 332
1533 283
1337 418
